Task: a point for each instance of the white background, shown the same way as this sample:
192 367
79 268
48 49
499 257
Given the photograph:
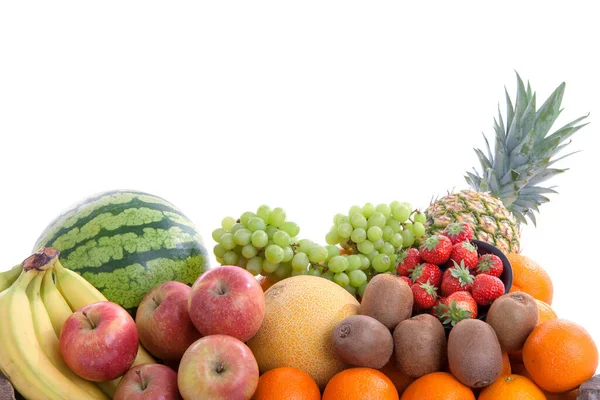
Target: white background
310 106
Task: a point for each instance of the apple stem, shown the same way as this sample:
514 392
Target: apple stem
142 383
221 288
220 368
89 320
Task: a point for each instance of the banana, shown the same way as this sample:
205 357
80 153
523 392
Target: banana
7 278
79 293
57 307
22 359
48 340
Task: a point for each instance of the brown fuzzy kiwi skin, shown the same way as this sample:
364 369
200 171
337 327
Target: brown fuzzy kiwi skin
388 299
362 341
513 316
420 345
474 353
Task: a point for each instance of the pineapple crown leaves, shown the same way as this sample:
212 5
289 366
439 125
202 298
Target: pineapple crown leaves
462 273
524 152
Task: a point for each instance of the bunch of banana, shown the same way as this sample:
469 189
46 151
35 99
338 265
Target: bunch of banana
36 298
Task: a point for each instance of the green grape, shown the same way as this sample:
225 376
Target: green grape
269 267
246 216
387 233
357 278
387 248
372 255
284 270
374 233
332 251
300 262
419 217
220 260
341 279
368 209
353 263
358 235
338 264
354 210
365 247
263 212
332 236
381 262
277 217
256 224
384 209
271 231
395 225
317 254
328 275
274 254
340 219
227 241
361 289
242 237
249 251
241 262
408 239
365 263
394 204
350 289
291 228
296 272
288 254
304 245
358 221
227 223
230 258
219 251
344 230
378 244
254 265
236 227
217 233
401 212
408 226
418 229
281 238
376 219
396 240
259 239
314 272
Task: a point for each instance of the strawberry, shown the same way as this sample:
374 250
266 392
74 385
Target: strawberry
407 280
458 306
424 272
489 264
465 251
487 288
458 232
424 295
436 249
407 261
436 310
456 278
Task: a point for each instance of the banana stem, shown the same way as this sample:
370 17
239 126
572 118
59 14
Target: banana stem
41 260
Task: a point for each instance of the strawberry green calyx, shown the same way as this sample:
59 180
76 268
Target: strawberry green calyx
429 289
462 273
452 314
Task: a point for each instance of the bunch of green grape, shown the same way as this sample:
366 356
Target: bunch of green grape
264 242
373 237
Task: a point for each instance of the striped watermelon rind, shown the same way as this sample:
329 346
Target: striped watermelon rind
126 242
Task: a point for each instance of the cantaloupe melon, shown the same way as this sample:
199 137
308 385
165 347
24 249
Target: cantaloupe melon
300 314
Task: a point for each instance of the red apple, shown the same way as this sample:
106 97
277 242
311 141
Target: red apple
148 381
227 300
218 367
163 321
99 342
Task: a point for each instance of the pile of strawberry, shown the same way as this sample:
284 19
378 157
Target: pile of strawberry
449 278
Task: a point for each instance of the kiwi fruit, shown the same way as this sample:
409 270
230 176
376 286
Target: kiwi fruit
420 345
388 299
513 316
362 341
474 353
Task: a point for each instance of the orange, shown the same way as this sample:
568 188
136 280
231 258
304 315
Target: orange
545 312
398 378
560 355
506 368
530 277
358 384
300 314
512 387
437 386
286 383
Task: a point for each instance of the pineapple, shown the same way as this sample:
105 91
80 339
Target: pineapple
509 190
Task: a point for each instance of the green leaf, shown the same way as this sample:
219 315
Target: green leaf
549 112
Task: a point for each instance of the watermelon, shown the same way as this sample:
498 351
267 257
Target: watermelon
125 243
